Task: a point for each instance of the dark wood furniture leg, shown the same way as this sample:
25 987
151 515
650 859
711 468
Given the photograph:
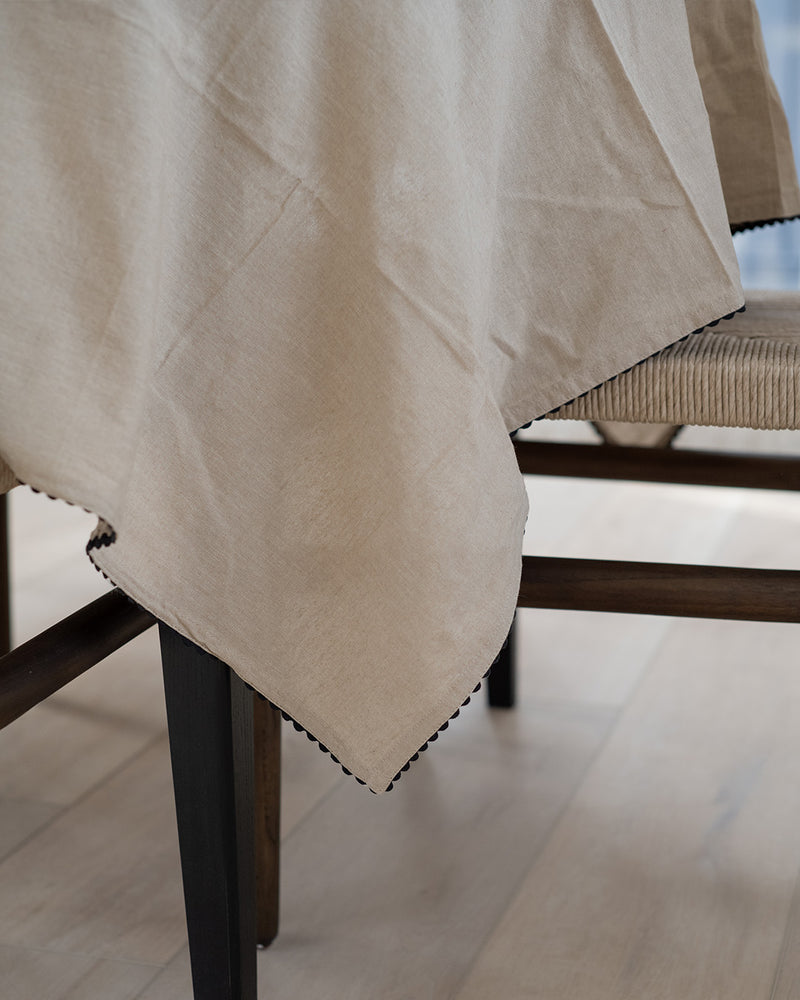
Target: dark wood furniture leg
5 587
501 683
44 664
267 745
210 719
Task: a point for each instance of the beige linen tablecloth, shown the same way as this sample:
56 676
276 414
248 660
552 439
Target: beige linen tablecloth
277 280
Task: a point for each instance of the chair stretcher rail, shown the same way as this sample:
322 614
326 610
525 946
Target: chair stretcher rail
658 465
765 595
38 668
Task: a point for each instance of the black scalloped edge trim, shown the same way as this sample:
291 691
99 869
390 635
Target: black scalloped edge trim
107 538
415 757
96 541
746 227
302 729
613 378
101 541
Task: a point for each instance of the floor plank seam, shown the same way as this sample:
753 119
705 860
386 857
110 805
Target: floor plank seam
87 793
544 842
32 834
38 949
158 970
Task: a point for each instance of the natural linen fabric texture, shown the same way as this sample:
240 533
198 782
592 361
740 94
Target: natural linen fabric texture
279 278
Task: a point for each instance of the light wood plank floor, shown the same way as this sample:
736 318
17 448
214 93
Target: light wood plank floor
630 830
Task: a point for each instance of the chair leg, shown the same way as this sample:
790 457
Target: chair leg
501 685
210 719
5 585
267 740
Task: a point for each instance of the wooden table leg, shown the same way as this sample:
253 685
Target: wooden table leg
500 685
210 718
267 740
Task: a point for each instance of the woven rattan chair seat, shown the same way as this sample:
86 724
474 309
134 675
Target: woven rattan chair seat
744 372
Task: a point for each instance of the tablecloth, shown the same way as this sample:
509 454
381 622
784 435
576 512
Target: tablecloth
277 279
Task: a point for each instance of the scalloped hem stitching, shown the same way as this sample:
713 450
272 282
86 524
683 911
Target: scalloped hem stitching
302 729
746 227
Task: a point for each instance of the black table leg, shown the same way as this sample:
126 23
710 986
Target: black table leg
267 738
501 687
210 718
5 586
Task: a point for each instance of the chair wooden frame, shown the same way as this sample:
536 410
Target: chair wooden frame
652 588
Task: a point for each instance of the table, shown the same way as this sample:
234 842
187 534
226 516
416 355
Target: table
278 280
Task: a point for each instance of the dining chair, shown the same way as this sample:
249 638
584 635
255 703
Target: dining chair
742 372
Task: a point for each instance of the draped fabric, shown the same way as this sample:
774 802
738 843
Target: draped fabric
277 280
748 124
